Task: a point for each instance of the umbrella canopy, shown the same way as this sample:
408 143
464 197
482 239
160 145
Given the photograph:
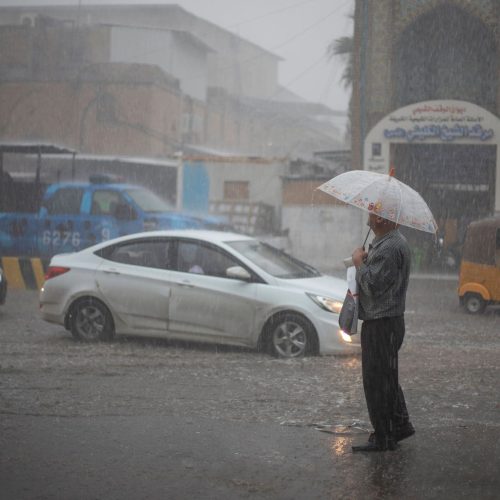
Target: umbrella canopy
383 195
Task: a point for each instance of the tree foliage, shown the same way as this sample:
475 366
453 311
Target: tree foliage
343 48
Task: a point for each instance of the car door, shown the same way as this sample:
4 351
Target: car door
206 302
61 223
135 281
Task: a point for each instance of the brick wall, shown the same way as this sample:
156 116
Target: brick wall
93 117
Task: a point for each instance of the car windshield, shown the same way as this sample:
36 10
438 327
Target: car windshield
273 261
148 201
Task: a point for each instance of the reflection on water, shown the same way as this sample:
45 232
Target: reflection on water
340 445
388 472
373 475
352 362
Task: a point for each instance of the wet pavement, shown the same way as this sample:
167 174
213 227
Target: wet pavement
144 419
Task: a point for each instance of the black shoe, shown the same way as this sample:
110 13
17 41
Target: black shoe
373 446
403 433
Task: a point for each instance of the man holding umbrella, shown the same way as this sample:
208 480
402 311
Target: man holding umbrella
382 276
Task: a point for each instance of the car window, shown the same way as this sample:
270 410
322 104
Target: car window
274 261
144 253
148 201
65 201
196 258
104 202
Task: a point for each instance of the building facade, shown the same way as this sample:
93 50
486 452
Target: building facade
223 84
426 101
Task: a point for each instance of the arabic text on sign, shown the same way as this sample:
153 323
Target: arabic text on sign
442 132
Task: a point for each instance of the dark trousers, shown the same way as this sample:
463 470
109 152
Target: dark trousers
380 343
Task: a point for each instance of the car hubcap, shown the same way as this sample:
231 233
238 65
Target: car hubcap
90 322
289 340
474 304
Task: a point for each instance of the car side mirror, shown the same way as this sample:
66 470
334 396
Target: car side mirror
238 273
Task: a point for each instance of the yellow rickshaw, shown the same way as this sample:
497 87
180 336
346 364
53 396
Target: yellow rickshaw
479 283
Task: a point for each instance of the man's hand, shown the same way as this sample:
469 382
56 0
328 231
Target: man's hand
358 256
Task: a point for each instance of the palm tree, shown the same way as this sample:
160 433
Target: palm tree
343 48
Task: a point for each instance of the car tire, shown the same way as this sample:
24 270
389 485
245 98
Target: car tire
473 303
290 335
91 321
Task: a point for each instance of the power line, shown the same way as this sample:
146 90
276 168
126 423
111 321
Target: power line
305 71
331 78
310 27
263 16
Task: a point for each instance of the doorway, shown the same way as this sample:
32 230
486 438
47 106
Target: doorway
456 180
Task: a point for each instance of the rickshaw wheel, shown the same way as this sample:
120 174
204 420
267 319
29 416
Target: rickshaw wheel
473 303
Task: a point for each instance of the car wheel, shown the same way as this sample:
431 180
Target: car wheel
91 321
473 303
291 336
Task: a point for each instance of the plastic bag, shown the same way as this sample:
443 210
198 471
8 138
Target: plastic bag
348 317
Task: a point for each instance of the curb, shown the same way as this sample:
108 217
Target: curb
24 272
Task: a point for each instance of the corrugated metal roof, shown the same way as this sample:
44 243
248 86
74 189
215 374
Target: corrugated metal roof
34 148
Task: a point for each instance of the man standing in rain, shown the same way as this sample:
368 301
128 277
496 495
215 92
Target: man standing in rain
382 275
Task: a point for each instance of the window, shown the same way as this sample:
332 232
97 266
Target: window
65 201
105 202
274 261
236 190
203 259
148 201
144 253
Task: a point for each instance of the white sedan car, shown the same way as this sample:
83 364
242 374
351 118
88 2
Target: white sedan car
200 286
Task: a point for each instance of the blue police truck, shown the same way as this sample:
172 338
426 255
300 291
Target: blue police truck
74 215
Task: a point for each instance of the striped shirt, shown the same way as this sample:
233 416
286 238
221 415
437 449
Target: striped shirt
383 278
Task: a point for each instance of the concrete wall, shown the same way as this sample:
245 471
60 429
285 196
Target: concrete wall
324 235
237 65
264 178
169 50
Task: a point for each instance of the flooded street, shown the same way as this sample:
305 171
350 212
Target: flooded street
142 418
185 165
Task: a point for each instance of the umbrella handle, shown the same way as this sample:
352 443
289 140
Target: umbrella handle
367 234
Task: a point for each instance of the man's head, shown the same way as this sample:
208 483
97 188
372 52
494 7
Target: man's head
379 225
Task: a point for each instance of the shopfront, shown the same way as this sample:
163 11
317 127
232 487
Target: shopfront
449 152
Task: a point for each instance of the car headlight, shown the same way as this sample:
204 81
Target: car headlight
326 303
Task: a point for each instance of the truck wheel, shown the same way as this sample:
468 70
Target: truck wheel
91 321
290 335
473 303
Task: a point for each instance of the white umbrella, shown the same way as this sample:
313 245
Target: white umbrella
387 197
384 195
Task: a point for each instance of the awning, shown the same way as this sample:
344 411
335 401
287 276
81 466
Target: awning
34 148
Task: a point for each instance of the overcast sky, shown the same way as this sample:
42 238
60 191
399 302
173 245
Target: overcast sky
297 30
